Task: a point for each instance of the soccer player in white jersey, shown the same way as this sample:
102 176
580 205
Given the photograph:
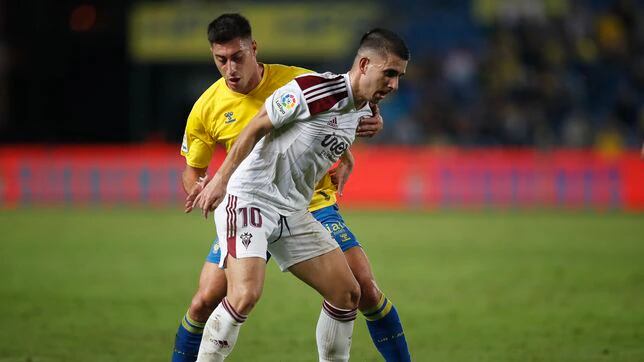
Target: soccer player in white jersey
261 192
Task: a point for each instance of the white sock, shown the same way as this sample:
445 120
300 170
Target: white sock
333 332
220 333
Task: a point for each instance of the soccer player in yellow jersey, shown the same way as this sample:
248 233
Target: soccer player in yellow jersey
218 116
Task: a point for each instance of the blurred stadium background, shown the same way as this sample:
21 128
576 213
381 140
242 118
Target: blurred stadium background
511 103
509 164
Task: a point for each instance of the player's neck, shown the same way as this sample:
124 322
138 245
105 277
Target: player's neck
358 100
256 79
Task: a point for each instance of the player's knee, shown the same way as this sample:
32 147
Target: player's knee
203 303
355 296
244 298
369 294
348 297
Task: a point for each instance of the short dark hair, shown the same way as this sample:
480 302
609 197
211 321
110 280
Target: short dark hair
228 27
385 41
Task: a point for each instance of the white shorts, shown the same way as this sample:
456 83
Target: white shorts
250 228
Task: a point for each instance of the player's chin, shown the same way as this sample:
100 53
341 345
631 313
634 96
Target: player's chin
377 97
234 84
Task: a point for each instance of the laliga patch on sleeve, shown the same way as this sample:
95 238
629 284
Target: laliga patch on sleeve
184 144
285 102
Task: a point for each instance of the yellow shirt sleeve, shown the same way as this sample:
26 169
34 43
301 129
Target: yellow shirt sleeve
198 145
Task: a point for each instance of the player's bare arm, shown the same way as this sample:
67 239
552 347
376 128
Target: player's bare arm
370 126
192 180
190 177
215 189
340 174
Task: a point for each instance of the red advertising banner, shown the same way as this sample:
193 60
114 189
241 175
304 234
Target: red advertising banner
384 177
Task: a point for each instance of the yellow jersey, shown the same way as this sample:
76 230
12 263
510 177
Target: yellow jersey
220 114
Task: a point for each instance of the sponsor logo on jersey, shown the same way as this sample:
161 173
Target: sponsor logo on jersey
245 238
333 123
335 146
229 117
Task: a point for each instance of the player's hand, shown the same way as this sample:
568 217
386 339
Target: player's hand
370 126
340 175
211 196
196 189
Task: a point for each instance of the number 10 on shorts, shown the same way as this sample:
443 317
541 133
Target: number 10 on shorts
255 216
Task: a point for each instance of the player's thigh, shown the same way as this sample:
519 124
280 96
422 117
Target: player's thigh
328 273
243 227
331 219
245 282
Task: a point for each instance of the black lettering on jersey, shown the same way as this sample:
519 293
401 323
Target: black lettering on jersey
335 145
280 107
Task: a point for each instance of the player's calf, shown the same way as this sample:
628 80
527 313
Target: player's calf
382 318
246 280
333 332
212 288
220 333
332 278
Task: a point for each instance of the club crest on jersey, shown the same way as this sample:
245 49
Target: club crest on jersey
333 123
245 238
286 102
229 117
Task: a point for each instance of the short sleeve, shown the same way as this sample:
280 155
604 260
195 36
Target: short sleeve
286 104
197 145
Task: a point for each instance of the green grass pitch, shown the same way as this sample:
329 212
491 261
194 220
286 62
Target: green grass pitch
111 285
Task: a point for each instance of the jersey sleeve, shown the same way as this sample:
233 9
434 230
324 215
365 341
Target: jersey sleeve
286 104
197 145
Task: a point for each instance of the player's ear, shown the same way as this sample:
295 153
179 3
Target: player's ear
253 46
363 63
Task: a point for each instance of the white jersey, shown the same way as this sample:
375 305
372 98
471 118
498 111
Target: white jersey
315 122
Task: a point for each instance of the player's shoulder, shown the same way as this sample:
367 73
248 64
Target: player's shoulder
288 71
213 92
312 81
279 75
323 91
